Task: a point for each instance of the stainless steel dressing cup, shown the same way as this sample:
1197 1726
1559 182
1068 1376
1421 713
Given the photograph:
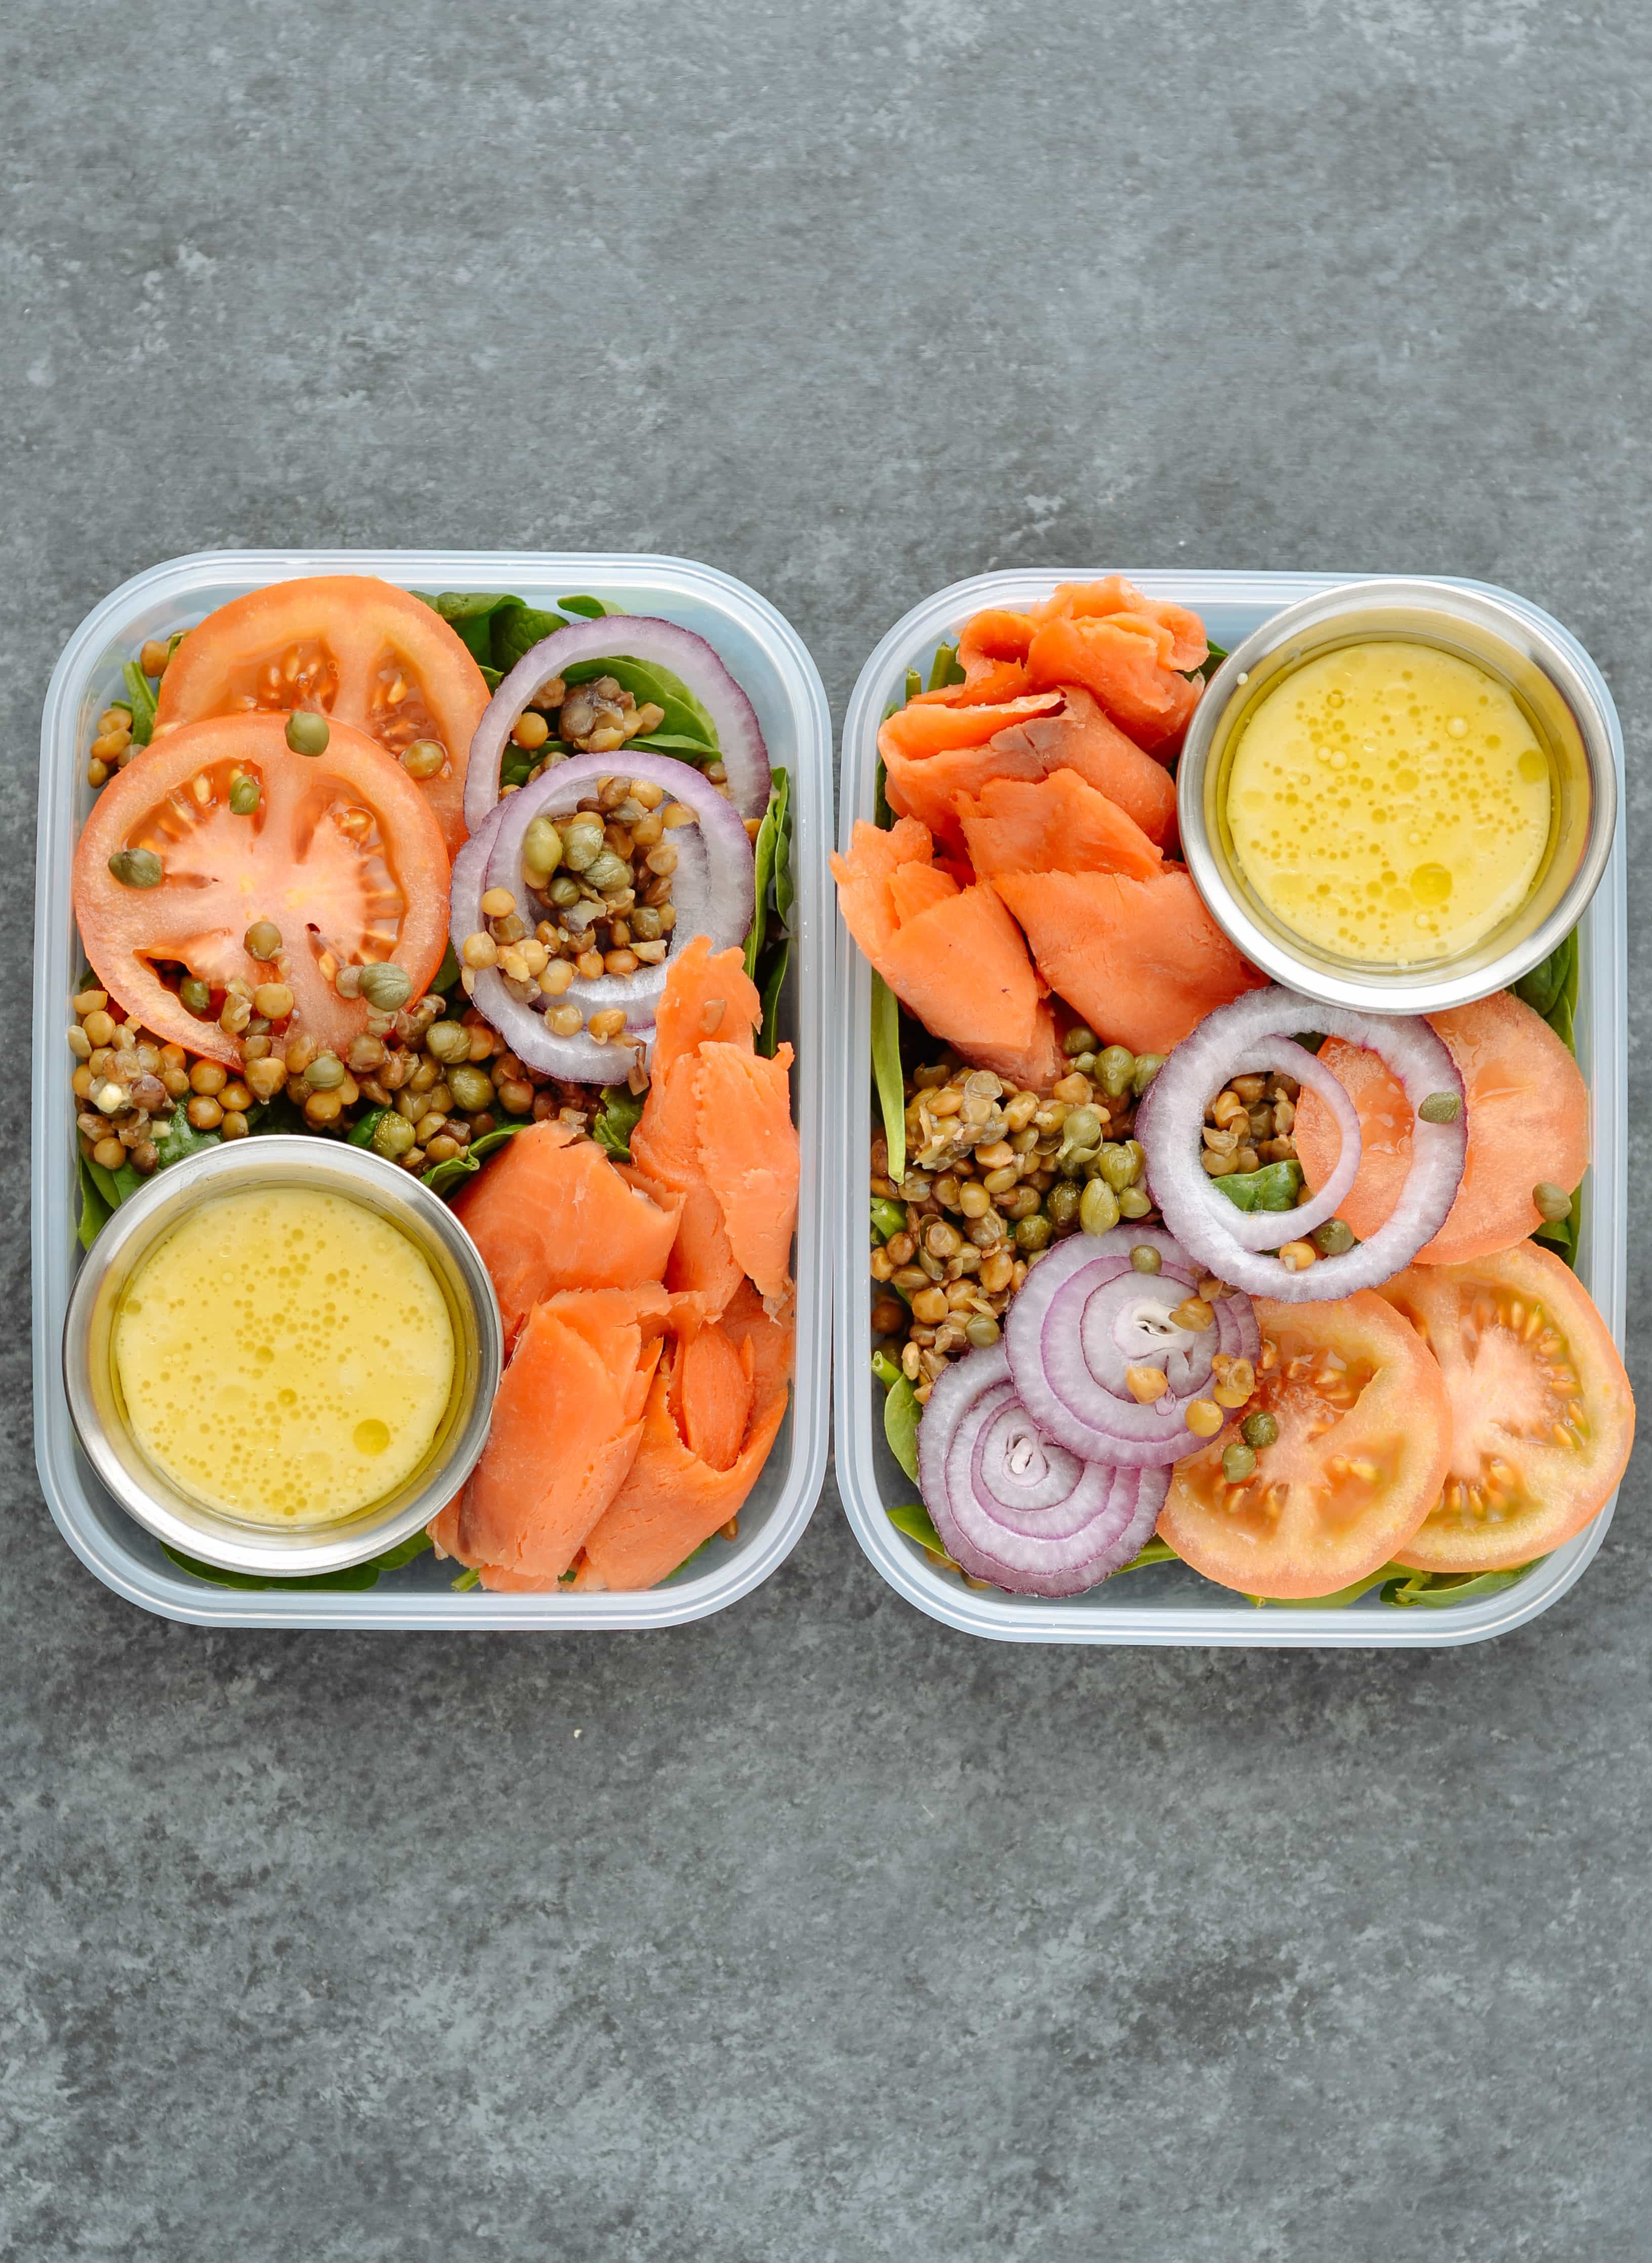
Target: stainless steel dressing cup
145 1220
1564 710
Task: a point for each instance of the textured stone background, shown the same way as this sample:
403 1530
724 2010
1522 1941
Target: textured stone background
831 1934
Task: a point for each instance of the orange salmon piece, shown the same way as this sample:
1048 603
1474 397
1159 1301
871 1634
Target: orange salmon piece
1082 738
961 967
706 995
1121 660
749 1154
939 722
711 1392
913 888
866 875
1182 642
666 1149
993 652
1142 961
1060 825
552 1211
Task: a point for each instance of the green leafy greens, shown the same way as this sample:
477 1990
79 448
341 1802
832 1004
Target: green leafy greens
768 950
353 1577
612 1130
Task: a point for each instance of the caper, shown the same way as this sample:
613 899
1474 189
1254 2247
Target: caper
137 868
541 848
325 1072
1084 1064
1032 1233
450 1041
261 940
1260 1430
1098 1208
1143 1257
385 987
582 841
1062 1203
425 758
1238 1463
245 794
982 1331
1079 1040
1115 1068
471 1087
1082 1128
1147 1067
608 872
1553 1202
1134 1202
1334 1238
307 734
1441 1107
393 1135
564 893
195 995
1116 1165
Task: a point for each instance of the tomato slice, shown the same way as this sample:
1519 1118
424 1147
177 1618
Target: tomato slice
1364 1438
356 649
1528 1123
1542 1417
343 854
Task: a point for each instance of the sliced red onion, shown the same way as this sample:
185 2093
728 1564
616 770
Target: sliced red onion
1255 1033
1085 1316
624 636
1011 1506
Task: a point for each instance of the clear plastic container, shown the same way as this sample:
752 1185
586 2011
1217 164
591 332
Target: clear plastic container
1169 1603
769 660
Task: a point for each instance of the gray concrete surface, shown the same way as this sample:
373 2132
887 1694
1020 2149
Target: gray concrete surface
816 1932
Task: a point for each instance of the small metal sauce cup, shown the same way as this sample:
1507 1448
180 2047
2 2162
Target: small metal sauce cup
94 1398
1559 702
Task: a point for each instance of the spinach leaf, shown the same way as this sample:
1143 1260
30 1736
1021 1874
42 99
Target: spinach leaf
143 703
944 668
613 1128
448 972
1439 1590
681 748
94 1212
693 1558
1276 1186
1551 990
773 982
362 1132
1156 1552
1561 1235
888 1217
1207 667
181 1139
767 959
473 616
114 1186
886 1071
591 608
491 676
440 1176
901 1417
517 631
1341 1600
763 868
915 1519
883 815
354 1578
281 1113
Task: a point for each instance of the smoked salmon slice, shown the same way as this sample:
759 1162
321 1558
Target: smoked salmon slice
664 1146
552 1211
1182 642
749 1155
1120 659
1061 824
707 994
960 964
1142 960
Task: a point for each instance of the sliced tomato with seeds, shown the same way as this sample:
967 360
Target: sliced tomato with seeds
343 854
1543 1414
348 647
1364 1438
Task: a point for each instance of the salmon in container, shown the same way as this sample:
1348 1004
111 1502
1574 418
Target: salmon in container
1232 1116
431 998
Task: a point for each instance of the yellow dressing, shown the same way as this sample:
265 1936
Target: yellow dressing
286 1355
1389 802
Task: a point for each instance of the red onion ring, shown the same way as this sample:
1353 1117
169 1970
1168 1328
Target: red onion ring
1255 1032
1014 1508
624 636
1086 1314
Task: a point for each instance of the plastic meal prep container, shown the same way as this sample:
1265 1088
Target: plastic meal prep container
1169 1603
770 662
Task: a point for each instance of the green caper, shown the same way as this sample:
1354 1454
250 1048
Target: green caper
385 987
1143 1257
137 868
393 1135
1079 1040
325 1072
1147 1067
1116 1165
1441 1107
1553 1202
307 734
1260 1430
541 850
1116 1067
471 1087
1238 1463
1074 1162
582 841
608 872
1099 1208
1334 1238
195 995
982 1331
1033 1233
1082 1128
261 940
245 794
1084 1064
449 1041
425 758
1134 1202
564 893
1062 1204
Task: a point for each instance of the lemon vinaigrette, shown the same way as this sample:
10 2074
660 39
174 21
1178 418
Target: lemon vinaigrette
1389 802
286 1355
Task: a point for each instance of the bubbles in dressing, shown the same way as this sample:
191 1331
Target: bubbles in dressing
286 1355
1389 802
